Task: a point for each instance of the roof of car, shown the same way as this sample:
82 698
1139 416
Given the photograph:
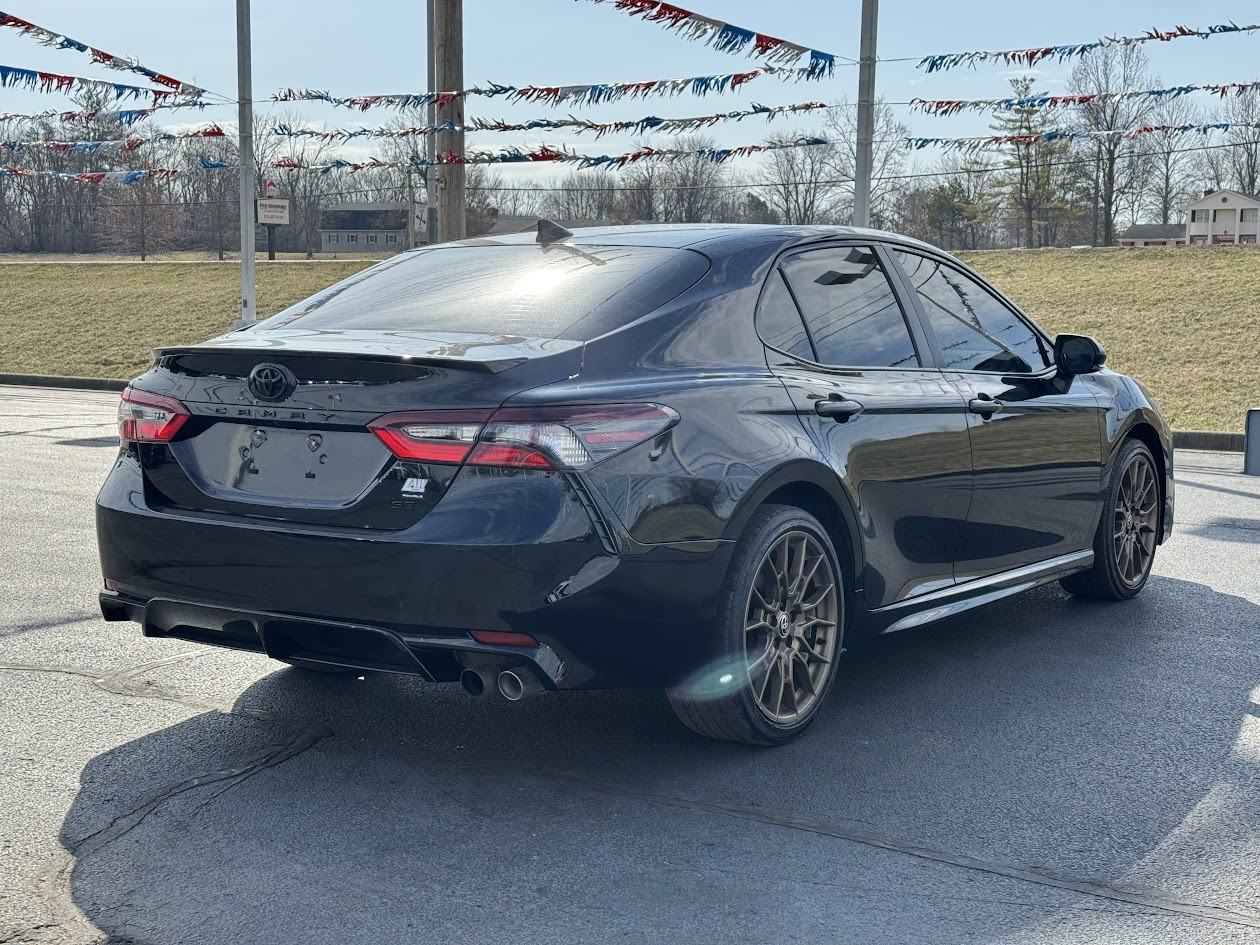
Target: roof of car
708 236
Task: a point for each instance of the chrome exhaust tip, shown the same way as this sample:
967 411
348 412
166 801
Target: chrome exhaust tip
516 684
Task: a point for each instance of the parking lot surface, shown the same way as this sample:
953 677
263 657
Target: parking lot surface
1042 770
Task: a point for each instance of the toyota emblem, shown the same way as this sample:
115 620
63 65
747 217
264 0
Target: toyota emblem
271 382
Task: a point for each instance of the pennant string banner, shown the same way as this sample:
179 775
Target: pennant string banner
1031 140
126 118
93 177
550 154
726 37
123 146
12 77
47 37
554 95
579 125
1030 57
947 107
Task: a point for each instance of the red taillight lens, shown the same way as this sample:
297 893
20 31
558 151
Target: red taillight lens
502 638
149 418
566 437
522 437
440 436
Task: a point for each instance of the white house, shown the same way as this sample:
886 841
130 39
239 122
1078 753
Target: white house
1222 216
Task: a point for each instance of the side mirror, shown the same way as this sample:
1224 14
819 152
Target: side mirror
1078 354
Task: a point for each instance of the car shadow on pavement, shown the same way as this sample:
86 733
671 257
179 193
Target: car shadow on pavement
1086 740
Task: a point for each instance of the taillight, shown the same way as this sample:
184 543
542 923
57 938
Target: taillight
566 437
445 436
149 418
523 437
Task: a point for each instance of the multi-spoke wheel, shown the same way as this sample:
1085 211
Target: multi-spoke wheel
791 626
1134 521
777 636
1124 546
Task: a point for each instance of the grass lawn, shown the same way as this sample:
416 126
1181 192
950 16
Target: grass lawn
90 320
1182 321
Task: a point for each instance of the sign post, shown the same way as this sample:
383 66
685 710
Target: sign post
272 212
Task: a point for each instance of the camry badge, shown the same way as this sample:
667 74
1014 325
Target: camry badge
314 441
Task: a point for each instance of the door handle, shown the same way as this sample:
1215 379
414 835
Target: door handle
985 406
839 409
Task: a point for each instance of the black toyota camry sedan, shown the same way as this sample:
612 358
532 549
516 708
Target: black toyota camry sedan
704 458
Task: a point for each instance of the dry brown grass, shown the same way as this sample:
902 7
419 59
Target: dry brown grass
1183 321
90 320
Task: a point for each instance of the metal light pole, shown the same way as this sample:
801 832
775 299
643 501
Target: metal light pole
865 115
245 119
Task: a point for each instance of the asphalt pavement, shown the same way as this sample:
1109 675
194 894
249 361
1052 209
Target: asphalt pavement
1042 770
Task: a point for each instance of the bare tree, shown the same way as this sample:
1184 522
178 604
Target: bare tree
892 161
799 184
1172 170
584 195
1119 160
1236 167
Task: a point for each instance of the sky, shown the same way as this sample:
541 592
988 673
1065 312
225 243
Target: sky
378 46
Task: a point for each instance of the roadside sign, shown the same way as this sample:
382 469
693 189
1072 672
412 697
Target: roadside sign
273 211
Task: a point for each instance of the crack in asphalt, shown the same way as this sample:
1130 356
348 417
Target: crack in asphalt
130 682
1151 900
47 625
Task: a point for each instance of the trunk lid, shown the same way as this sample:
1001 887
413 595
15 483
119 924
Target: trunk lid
296 446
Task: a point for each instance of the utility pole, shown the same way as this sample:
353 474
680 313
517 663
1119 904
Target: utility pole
245 119
430 144
448 37
865 115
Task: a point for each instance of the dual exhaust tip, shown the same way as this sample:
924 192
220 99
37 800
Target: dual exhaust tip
512 684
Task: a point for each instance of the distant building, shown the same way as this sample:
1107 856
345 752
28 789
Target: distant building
379 228
1222 217
1154 234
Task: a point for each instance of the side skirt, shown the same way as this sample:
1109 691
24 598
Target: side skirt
954 600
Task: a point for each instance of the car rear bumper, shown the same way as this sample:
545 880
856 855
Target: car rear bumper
605 610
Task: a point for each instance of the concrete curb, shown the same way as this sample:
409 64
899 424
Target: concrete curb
1182 439
69 383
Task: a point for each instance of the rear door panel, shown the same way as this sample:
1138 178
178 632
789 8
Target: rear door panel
905 463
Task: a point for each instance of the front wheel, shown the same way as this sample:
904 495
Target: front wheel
777 635
1124 545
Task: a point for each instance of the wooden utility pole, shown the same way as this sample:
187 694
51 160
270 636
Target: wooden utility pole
448 37
245 120
865 115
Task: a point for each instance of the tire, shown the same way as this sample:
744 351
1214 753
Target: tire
767 637
1125 518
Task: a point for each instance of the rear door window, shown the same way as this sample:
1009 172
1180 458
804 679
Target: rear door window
779 320
558 291
976 330
852 311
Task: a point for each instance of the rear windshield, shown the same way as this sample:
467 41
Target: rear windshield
557 291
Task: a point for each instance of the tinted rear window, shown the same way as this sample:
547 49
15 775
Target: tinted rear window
559 291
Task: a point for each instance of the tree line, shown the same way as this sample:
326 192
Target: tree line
1052 193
